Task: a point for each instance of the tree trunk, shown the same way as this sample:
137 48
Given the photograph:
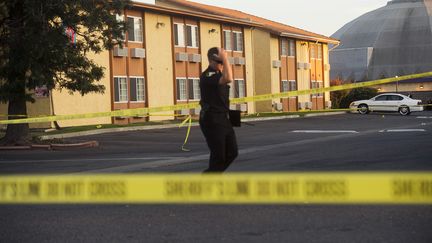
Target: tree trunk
17 134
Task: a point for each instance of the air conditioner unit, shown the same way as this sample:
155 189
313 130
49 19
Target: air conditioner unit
308 105
181 57
300 65
194 58
197 111
184 112
278 106
239 61
301 105
307 66
327 67
120 52
328 104
277 63
138 53
243 107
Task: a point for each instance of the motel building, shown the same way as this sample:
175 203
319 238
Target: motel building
164 53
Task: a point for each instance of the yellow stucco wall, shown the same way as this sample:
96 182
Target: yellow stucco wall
160 79
326 72
208 40
275 72
303 75
250 74
262 57
66 103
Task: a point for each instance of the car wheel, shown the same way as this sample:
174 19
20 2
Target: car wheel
363 109
404 110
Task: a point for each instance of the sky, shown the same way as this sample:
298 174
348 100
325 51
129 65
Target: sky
320 16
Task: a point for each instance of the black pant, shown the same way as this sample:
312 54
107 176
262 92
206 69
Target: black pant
221 140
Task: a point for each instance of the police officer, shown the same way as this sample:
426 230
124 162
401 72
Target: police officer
214 121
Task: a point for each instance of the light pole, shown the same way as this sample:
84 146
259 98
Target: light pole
397 84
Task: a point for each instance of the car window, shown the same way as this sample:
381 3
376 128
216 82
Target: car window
395 97
381 98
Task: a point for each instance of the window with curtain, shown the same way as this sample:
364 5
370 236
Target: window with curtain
135 31
120 89
137 89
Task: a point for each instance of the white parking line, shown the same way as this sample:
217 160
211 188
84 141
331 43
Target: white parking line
83 160
424 117
325 131
403 130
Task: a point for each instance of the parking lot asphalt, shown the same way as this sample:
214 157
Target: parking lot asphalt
350 142
341 142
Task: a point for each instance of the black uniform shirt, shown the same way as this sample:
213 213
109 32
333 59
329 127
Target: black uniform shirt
214 97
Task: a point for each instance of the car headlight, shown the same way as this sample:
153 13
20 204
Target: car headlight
352 104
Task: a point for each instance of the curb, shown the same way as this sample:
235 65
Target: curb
15 147
89 144
152 127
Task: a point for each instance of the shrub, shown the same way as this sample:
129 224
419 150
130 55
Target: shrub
357 94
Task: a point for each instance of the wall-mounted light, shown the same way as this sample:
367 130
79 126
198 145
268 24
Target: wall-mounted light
160 24
379 89
213 30
421 86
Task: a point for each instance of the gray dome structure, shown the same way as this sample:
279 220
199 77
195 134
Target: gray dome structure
390 41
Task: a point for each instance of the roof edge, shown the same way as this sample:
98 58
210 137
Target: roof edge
195 14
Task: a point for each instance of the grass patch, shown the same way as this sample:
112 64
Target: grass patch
105 126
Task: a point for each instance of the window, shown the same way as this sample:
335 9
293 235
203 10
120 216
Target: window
227 40
285 86
237 89
320 85
381 98
395 97
312 51
319 51
194 89
231 90
120 18
120 89
316 85
238 41
284 47
292 48
240 90
292 85
192 36
181 89
179 37
137 89
135 29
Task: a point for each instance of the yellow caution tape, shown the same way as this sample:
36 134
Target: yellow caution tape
188 119
143 111
265 188
328 89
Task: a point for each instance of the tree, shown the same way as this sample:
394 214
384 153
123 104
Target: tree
363 93
337 96
46 43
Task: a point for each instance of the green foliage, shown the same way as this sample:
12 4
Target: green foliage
357 94
35 50
337 96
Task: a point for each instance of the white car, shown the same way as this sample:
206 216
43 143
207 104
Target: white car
388 102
